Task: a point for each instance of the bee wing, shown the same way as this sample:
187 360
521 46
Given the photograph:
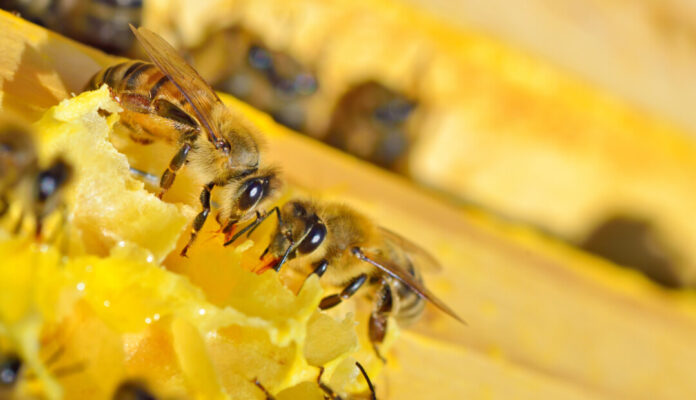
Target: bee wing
397 272
196 90
425 260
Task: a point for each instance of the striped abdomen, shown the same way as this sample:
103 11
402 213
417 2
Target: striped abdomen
138 77
408 304
141 88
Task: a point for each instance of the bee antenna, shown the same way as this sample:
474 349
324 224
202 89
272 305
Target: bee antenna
373 396
242 231
252 226
263 218
291 247
330 394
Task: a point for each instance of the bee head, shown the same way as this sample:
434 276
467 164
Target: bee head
244 198
286 74
10 366
52 179
281 86
237 150
132 390
300 232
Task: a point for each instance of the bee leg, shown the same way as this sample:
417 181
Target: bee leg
379 318
19 223
71 369
373 396
258 384
350 289
319 269
63 231
174 165
201 217
330 394
61 225
4 205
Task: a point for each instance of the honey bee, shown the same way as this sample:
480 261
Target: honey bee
13 370
351 252
10 368
240 63
23 180
371 122
99 23
329 394
168 100
132 390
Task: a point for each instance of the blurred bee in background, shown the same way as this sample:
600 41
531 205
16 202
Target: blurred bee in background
14 370
133 390
10 369
99 23
22 179
370 121
330 394
238 62
167 100
17 157
351 252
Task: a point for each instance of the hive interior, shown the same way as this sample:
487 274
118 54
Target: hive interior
101 293
545 320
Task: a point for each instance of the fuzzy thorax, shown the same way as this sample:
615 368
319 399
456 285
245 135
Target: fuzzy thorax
220 165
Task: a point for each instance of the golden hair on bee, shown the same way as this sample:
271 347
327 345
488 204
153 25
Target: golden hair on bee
168 100
348 250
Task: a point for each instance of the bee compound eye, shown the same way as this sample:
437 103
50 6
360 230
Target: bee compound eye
51 179
314 238
305 84
253 192
259 58
9 370
132 390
